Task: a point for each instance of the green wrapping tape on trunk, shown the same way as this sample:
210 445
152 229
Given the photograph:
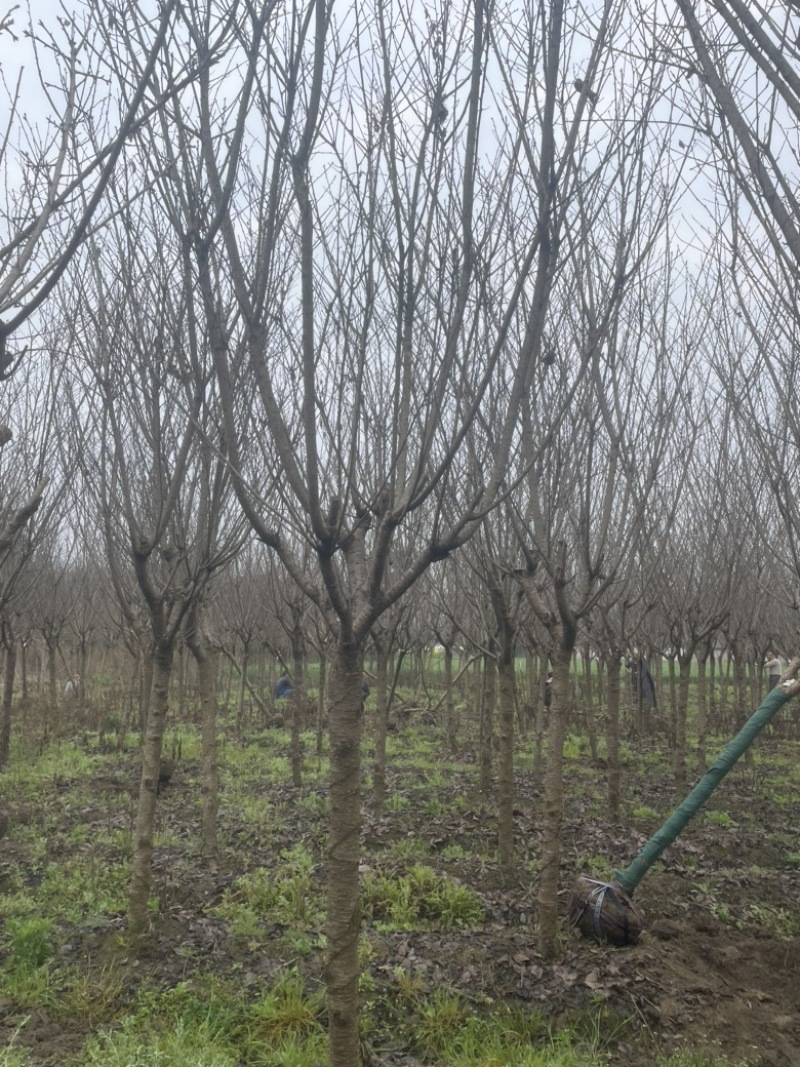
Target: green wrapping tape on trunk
663 837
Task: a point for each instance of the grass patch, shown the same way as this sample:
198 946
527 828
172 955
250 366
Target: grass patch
420 899
288 894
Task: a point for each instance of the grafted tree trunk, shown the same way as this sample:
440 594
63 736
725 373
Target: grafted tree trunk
613 664
146 688
381 722
685 662
505 777
713 703
702 709
298 705
740 692
450 704
342 926
486 723
206 660
10 645
671 726
52 685
553 808
141 873
322 700
540 720
505 637
240 702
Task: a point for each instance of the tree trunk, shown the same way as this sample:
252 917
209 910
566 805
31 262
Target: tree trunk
8 697
322 697
740 692
242 691
724 681
179 681
450 704
685 661
23 662
712 689
146 692
613 663
600 685
298 706
553 806
540 719
588 699
487 701
381 725
83 663
206 661
673 701
141 874
505 777
702 713
52 687
343 923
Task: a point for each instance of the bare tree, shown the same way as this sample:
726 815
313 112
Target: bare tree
61 167
375 242
742 108
376 229
145 406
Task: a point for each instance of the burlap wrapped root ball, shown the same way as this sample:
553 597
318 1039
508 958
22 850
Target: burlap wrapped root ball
604 911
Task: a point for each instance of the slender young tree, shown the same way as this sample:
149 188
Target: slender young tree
147 413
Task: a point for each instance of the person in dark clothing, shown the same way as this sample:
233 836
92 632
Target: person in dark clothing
642 684
773 667
364 691
283 687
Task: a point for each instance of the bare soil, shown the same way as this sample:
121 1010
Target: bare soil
717 967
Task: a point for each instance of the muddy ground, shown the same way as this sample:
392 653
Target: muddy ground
717 967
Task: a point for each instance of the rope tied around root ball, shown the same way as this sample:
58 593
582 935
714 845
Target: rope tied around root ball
605 912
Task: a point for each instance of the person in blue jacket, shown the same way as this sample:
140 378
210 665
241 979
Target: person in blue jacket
283 687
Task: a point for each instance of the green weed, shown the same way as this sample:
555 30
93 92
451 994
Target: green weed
448 1031
177 1047
313 803
285 895
644 812
286 1020
27 978
90 997
600 865
439 1021
779 922
454 852
719 818
243 921
407 986
11 1056
30 943
85 885
62 760
409 850
421 899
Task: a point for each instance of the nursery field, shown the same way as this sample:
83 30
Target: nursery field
451 976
